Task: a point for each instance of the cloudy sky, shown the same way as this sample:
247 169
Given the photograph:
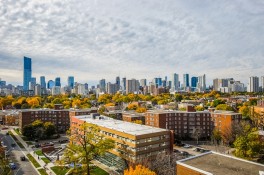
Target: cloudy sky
94 39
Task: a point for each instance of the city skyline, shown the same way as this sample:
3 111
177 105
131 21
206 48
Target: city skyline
220 39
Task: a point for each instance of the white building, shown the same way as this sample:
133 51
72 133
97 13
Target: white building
37 89
132 86
262 83
81 90
56 90
253 85
175 82
201 84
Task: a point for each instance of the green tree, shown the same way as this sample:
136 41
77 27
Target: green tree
199 108
178 97
86 143
216 136
224 107
28 131
49 128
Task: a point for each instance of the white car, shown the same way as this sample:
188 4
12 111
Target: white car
187 146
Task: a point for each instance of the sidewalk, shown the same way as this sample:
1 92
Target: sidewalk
38 158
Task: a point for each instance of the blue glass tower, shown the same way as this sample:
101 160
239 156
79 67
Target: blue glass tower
194 81
27 73
42 82
50 84
71 82
186 80
57 81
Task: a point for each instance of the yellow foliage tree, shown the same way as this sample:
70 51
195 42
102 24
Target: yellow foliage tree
139 170
141 110
132 106
110 104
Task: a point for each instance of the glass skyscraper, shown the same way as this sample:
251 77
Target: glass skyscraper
27 73
71 82
50 84
186 80
42 82
57 81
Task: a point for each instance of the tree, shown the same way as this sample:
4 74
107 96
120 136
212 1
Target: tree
86 143
50 129
139 170
141 110
245 111
224 107
28 131
178 97
199 108
216 136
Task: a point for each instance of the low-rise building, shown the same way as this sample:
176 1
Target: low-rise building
134 117
184 123
140 141
224 119
213 163
59 117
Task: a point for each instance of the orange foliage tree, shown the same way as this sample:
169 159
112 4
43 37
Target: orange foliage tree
139 170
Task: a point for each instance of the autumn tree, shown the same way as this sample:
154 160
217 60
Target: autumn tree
216 136
141 110
245 111
199 108
139 170
224 107
86 143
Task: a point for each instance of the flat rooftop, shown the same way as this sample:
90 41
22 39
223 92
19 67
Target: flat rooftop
173 111
121 126
219 164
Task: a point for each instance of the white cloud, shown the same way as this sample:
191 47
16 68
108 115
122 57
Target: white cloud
103 39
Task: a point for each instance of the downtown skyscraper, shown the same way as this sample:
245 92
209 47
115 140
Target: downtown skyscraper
71 82
27 73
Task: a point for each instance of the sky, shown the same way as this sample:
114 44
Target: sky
95 39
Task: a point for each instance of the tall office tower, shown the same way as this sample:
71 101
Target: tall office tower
86 86
70 82
112 88
194 81
57 82
201 84
253 85
132 86
143 82
27 73
37 89
164 83
118 81
50 84
42 82
186 80
166 78
262 83
175 82
169 84
102 85
123 84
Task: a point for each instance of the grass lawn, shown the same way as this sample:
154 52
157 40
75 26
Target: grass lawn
17 141
32 159
29 143
42 171
17 131
39 153
46 160
98 171
59 170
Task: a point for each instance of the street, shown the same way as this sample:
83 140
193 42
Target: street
22 167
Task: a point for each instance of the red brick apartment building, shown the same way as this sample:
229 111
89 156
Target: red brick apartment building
183 123
60 117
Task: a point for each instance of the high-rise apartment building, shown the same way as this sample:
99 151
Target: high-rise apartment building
262 83
175 82
143 82
253 85
132 86
27 73
57 82
186 80
70 82
201 84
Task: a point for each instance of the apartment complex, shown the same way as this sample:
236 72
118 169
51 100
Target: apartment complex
60 117
184 123
133 117
213 163
140 141
224 119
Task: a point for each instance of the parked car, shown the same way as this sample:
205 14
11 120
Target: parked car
197 149
12 165
187 146
184 153
22 158
176 151
13 144
37 145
